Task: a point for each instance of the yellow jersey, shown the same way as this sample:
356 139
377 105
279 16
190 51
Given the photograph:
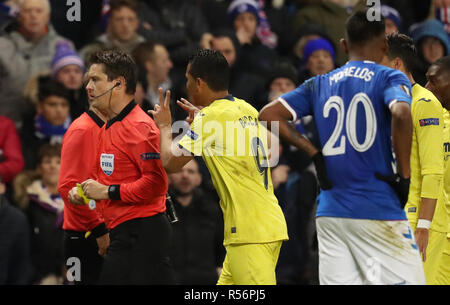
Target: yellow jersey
446 192
427 158
233 144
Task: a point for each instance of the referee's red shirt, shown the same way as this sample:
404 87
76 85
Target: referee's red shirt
78 163
129 157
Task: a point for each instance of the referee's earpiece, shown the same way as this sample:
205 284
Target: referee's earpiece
117 84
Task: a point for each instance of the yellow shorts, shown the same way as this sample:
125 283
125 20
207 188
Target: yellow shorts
436 242
250 264
442 275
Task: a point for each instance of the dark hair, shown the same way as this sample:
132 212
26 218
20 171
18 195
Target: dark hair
212 67
360 30
118 4
144 52
48 150
402 46
282 69
50 87
225 32
115 64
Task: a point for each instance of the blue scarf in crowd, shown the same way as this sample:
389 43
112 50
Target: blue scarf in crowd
45 130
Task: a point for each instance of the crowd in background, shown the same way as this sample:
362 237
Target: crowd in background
271 47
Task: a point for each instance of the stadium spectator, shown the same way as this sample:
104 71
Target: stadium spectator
36 193
254 56
121 32
50 122
11 159
25 51
68 68
432 43
282 78
154 65
197 252
318 58
392 18
15 261
178 24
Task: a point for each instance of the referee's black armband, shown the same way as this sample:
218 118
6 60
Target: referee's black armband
99 230
114 192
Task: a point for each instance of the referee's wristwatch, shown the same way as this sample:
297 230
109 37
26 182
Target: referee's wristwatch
114 192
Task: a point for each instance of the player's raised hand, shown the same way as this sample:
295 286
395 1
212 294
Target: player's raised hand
189 108
161 114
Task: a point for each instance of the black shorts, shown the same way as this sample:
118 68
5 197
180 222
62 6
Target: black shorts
86 250
139 253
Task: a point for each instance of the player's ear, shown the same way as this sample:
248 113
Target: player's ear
344 45
385 46
398 63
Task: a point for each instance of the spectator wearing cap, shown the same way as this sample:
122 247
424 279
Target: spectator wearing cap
393 20
255 56
318 58
26 50
432 44
68 68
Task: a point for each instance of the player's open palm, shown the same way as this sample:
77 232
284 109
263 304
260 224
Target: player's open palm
422 241
161 114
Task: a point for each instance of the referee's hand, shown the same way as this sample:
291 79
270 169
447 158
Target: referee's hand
74 198
94 190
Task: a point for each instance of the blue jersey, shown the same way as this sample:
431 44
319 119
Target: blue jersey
351 108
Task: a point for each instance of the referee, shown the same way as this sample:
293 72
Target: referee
131 184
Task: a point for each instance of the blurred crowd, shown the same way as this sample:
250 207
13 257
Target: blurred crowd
271 47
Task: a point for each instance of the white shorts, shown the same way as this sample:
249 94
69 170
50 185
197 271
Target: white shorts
362 251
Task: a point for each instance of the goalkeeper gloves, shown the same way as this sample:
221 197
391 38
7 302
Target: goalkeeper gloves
399 184
319 163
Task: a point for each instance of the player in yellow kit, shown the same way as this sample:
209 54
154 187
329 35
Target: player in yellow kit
438 76
425 208
234 145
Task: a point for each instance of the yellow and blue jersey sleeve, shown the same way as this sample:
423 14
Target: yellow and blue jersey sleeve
200 134
398 88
